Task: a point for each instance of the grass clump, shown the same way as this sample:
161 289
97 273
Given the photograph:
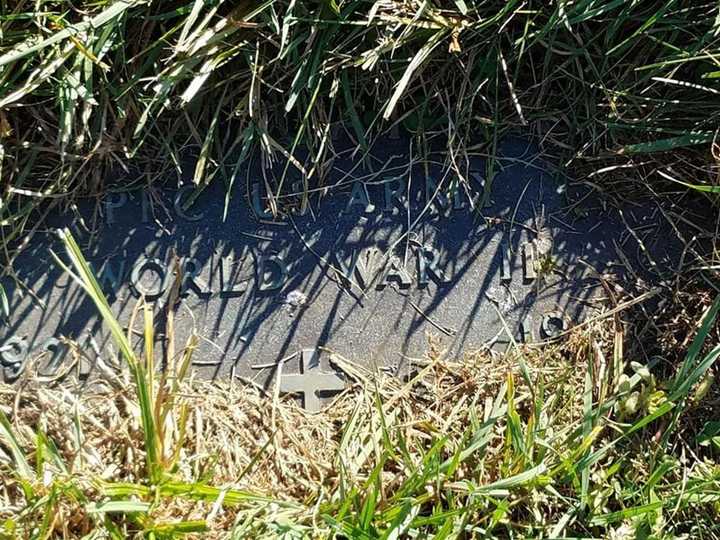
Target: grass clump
90 88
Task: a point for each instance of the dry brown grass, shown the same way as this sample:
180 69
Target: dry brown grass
242 437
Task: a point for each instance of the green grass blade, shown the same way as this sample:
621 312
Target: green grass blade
514 481
622 515
87 281
414 65
175 528
119 507
8 438
671 143
688 364
26 48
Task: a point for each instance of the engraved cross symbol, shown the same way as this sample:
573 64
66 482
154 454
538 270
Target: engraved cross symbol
311 381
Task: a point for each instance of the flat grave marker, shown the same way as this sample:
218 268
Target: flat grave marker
370 265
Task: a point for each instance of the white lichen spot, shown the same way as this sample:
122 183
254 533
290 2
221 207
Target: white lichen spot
296 298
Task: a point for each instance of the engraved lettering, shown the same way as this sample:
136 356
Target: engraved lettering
14 351
394 194
478 177
150 266
395 271
355 268
55 350
525 333
302 208
435 197
228 285
359 196
428 264
113 201
179 205
108 277
522 334
191 278
145 205
528 251
456 190
553 324
268 279
87 362
261 212
13 371
506 269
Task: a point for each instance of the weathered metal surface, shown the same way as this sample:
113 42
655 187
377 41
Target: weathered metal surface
372 266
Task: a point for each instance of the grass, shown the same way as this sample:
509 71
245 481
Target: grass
547 443
91 88
576 440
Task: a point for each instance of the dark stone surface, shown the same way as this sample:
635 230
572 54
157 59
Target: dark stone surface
258 290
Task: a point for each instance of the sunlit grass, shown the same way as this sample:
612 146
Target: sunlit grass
90 88
559 442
